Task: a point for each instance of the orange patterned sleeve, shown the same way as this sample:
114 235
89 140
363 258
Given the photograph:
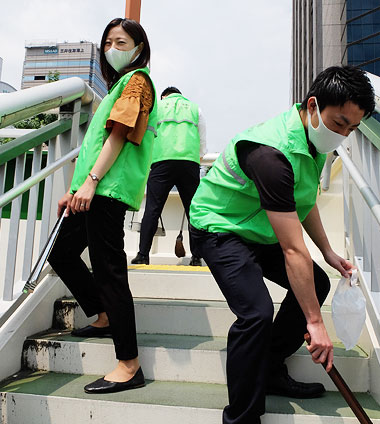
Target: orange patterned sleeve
132 107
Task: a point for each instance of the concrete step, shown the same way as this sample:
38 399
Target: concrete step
181 282
177 358
45 398
167 316
188 283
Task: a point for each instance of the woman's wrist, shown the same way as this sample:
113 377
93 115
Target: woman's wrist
93 178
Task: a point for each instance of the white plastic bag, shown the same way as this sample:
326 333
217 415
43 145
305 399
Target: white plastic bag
348 310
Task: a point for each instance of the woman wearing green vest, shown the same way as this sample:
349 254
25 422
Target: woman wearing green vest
246 220
109 179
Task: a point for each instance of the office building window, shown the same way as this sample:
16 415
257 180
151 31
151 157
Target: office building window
363 34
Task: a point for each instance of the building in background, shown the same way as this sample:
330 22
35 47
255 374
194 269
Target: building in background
362 35
4 87
333 32
80 59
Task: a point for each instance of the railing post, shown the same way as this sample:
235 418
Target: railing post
374 179
47 203
2 182
356 201
327 172
14 225
69 140
368 220
32 215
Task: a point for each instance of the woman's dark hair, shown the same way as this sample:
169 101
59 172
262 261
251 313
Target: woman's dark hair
170 90
137 33
337 85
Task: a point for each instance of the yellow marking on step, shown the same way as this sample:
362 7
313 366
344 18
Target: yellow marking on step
170 267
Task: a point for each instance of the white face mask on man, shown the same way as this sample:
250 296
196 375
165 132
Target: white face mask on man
119 59
324 140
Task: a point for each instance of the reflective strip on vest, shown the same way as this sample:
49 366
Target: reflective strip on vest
177 122
237 177
150 128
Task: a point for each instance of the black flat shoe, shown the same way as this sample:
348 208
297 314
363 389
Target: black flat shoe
91 331
140 259
195 261
104 386
282 384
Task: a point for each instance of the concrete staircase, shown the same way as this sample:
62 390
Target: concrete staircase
182 321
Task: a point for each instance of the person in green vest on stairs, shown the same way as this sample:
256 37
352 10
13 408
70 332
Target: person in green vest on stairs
178 149
246 222
109 179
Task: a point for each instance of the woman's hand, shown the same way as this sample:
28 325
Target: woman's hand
81 200
340 264
64 203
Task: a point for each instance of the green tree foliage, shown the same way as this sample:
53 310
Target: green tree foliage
39 120
5 140
53 76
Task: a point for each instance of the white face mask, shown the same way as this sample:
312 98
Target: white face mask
119 59
324 140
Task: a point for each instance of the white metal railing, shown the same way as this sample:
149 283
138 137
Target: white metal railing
361 191
45 155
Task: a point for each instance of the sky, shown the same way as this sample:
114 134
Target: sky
233 58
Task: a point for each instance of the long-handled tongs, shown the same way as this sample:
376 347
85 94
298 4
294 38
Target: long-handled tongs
345 391
32 280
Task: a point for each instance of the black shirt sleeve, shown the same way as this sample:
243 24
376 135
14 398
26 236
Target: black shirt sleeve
272 174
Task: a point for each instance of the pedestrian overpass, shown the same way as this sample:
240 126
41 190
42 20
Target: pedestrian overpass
181 315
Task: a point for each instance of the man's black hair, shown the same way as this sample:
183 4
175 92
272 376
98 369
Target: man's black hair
339 84
170 90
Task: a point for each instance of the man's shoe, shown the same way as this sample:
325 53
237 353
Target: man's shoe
140 259
104 386
195 261
284 385
91 331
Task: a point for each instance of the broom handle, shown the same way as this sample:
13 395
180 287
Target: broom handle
183 220
345 391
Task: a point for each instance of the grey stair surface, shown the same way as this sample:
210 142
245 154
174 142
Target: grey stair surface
43 397
174 284
177 358
170 316
182 350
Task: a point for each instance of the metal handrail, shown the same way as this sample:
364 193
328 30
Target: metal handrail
368 195
26 142
64 134
25 103
375 81
209 158
36 178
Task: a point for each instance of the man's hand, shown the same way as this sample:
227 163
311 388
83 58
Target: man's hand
340 264
320 348
64 203
81 200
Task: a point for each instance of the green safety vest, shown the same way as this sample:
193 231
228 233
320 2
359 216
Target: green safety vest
227 201
126 179
177 130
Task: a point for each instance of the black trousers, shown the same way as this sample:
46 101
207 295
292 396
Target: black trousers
164 175
256 347
106 289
